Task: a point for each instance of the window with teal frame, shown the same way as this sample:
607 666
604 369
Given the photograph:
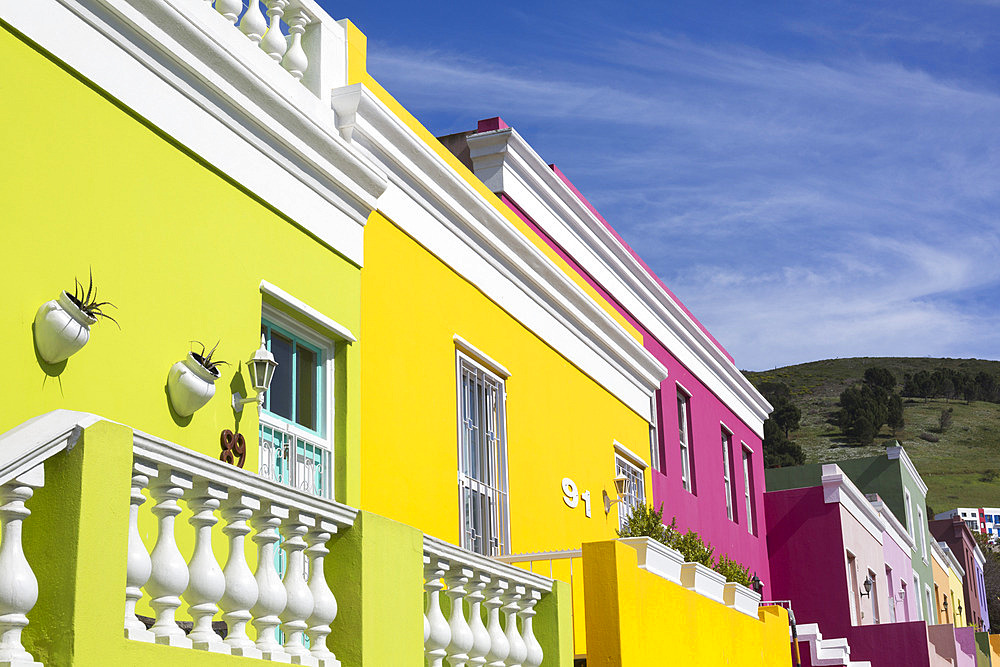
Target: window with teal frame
294 449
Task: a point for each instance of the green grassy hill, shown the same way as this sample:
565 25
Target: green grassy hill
957 469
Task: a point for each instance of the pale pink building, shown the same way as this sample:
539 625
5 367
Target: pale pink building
704 460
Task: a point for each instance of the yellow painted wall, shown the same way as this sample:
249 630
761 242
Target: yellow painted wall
560 423
995 649
173 244
638 618
957 597
941 590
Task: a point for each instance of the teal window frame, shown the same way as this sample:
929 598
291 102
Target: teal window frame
319 371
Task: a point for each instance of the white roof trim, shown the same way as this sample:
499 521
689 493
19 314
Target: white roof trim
445 213
629 455
481 356
952 560
897 452
304 309
838 488
938 555
893 527
505 162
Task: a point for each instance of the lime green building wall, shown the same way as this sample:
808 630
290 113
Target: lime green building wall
176 246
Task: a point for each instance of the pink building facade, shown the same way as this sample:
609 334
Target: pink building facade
705 458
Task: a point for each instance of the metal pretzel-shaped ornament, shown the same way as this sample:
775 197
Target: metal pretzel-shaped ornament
233 445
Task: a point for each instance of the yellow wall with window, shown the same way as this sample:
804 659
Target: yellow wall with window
176 246
560 423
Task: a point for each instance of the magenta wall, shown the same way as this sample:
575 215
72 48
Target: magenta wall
891 644
806 550
704 509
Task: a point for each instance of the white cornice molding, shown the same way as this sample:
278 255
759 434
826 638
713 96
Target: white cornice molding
431 202
951 559
629 455
506 163
978 553
938 555
27 445
893 527
336 329
838 488
182 67
897 452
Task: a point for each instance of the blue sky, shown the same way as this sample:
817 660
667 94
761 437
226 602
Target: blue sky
813 179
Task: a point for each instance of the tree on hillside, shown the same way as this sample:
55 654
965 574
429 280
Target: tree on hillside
864 410
877 376
787 416
779 451
895 416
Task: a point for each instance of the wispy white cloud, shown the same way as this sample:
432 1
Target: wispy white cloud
803 208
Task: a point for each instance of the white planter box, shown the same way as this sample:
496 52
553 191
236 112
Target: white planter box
703 580
656 557
741 598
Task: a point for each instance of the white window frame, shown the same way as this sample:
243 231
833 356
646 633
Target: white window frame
634 470
727 470
654 433
684 437
325 443
919 526
747 456
492 536
920 604
909 514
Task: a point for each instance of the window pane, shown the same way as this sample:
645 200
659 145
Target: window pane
306 384
281 383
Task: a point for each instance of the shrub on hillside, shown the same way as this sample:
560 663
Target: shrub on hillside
929 437
944 420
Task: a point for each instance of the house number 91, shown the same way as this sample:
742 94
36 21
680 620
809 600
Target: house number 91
571 496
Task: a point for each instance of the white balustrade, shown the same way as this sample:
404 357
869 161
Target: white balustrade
271 597
169 576
295 60
241 587
438 635
274 43
511 605
253 24
473 582
462 639
299 601
324 603
138 565
19 591
206 583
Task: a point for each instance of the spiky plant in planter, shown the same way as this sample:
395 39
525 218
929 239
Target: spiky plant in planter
206 360
62 326
191 382
87 301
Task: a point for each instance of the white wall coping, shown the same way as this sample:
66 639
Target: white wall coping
838 488
338 330
893 527
897 452
951 559
481 357
507 163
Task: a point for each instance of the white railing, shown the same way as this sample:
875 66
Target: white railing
300 603
481 583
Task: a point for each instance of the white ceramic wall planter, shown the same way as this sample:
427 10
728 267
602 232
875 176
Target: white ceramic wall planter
190 385
61 329
703 580
656 557
741 598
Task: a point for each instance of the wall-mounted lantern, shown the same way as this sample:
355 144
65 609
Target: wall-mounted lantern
261 366
620 482
945 606
869 582
757 585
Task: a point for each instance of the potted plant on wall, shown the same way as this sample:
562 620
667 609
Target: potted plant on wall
191 382
62 326
737 593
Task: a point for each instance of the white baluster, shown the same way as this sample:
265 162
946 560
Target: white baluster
138 566
481 643
230 9
271 598
295 60
499 646
169 575
512 604
206 584
427 625
439 635
324 603
241 587
461 634
299 603
18 586
253 24
534 649
273 41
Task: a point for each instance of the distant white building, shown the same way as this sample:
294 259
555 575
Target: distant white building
984 520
